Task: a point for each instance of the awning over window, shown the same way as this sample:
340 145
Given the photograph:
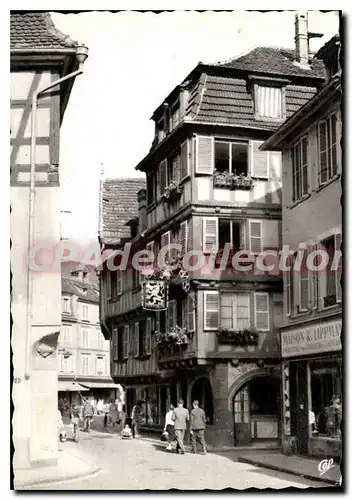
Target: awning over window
67 386
101 385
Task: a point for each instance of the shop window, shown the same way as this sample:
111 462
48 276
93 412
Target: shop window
325 414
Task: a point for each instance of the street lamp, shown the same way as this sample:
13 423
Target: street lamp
81 56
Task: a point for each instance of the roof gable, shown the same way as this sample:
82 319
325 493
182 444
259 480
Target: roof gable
36 30
119 205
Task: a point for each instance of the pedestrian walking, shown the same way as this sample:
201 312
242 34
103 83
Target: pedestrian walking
181 418
197 430
170 427
88 413
113 413
136 417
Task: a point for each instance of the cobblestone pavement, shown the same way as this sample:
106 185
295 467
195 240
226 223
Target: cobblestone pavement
140 465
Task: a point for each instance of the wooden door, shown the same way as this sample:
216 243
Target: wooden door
242 430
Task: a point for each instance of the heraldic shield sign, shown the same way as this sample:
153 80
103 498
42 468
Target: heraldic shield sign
155 295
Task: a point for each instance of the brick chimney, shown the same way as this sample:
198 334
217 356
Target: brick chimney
142 210
301 38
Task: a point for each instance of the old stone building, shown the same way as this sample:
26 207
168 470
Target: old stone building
210 187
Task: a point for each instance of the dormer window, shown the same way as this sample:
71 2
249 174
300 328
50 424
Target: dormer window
75 274
268 102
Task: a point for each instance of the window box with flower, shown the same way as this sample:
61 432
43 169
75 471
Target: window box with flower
245 337
172 192
231 180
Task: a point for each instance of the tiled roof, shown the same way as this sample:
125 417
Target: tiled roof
272 60
227 101
119 205
36 30
77 288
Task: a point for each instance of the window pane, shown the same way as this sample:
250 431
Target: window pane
224 232
304 180
222 156
239 161
322 137
323 167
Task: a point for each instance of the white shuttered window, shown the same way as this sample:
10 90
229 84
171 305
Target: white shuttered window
255 236
183 236
259 160
210 233
204 154
261 311
211 310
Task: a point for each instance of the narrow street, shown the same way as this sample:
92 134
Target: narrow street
142 464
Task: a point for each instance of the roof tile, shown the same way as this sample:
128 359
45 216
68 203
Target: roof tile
275 60
36 30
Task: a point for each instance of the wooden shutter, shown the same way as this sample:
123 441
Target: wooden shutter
165 242
184 157
261 311
313 282
183 236
242 311
227 310
338 273
303 290
148 336
150 247
118 282
288 288
243 244
204 155
126 341
114 343
172 314
211 310
255 236
136 339
162 176
259 160
190 312
210 233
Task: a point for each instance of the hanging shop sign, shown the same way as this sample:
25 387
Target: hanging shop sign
316 338
155 295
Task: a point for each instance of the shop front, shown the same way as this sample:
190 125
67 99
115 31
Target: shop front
312 389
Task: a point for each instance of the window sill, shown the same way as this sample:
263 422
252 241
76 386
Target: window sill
327 183
269 119
120 360
116 298
298 202
143 356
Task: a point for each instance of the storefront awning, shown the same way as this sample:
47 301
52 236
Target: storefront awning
67 386
101 385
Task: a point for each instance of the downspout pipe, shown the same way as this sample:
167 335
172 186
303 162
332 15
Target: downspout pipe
81 55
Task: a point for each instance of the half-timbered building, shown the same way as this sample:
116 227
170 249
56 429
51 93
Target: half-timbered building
40 55
207 185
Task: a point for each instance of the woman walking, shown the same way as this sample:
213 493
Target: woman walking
170 427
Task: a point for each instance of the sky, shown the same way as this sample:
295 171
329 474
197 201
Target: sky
135 60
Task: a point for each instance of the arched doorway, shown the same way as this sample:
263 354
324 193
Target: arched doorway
202 392
256 410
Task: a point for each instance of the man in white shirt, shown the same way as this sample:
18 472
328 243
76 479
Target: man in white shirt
169 427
